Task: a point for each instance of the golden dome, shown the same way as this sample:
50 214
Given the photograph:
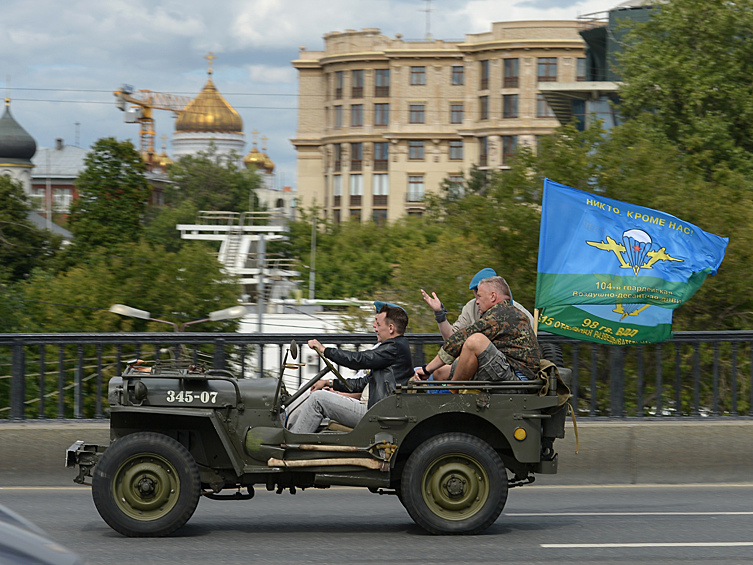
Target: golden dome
209 112
254 159
163 160
269 165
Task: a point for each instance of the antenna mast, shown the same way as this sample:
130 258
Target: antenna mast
428 19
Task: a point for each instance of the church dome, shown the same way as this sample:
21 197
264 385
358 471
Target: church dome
209 112
254 159
163 160
269 165
16 145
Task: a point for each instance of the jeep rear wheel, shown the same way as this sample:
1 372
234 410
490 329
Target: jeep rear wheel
146 485
454 484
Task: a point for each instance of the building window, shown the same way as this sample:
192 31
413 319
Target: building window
415 189
580 69
379 216
547 69
337 190
381 155
356 87
456 113
382 83
483 105
355 213
416 150
336 216
510 79
356 156
484 75
416 113
543 110
380 189
356 190
338 116
381 185
338 157
417 76
510 106
339 80
356 115
457 77
456 150
483 151
509 144
62 199
381 114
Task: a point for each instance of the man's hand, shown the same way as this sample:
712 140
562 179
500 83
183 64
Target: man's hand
433 302
314 344
420 374
319 385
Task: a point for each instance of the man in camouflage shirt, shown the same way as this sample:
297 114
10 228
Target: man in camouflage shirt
501 345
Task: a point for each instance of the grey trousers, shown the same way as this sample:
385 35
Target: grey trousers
323 404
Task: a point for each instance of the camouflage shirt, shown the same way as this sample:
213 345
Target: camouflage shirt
510 332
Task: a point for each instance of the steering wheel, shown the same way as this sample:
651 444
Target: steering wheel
331 367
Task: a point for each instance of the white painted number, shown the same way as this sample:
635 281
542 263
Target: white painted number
187 397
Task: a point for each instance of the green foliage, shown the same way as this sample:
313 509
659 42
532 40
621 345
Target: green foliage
113 195
160 228
23 247
213 181
688 72
174 286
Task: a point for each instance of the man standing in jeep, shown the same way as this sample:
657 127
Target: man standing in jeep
388 365
501 345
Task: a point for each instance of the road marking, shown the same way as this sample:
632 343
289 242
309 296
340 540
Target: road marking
536 514
668 544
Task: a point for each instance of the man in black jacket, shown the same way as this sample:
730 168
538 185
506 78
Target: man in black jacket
382 369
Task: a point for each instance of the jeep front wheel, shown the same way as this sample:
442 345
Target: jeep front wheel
146 485
454 484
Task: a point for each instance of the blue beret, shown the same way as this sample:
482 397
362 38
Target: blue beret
378 305
481 275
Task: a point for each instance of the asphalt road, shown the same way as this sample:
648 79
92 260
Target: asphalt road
540 524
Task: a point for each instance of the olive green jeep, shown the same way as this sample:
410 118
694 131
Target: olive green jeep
178 432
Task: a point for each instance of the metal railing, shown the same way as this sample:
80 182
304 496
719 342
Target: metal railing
696 374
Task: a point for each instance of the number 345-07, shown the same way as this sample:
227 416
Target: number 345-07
187 396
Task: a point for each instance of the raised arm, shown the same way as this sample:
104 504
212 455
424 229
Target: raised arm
439 313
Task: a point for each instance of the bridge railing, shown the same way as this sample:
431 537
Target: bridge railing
696 374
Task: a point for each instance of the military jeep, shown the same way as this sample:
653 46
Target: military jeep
179 432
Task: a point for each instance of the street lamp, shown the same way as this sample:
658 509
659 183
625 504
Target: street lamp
225 314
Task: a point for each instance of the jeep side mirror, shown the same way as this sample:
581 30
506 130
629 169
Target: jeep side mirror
294 349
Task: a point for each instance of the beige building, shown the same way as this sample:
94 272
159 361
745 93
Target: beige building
383 121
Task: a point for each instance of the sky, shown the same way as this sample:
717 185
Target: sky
63 60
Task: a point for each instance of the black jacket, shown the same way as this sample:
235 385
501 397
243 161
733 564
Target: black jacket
390 365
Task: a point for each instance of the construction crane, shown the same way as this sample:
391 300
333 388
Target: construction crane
143 103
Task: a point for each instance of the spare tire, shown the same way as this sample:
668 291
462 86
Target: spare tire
552 352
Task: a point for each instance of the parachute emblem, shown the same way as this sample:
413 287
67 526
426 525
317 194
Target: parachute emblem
637 250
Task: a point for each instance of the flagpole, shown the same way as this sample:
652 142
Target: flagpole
536 321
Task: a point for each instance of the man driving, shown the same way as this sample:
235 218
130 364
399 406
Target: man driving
385 367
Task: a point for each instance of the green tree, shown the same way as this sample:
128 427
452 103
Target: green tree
23 247
160 228
174 286
687 74
213 181
113 195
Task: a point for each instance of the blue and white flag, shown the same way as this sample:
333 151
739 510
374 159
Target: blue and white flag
612 272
